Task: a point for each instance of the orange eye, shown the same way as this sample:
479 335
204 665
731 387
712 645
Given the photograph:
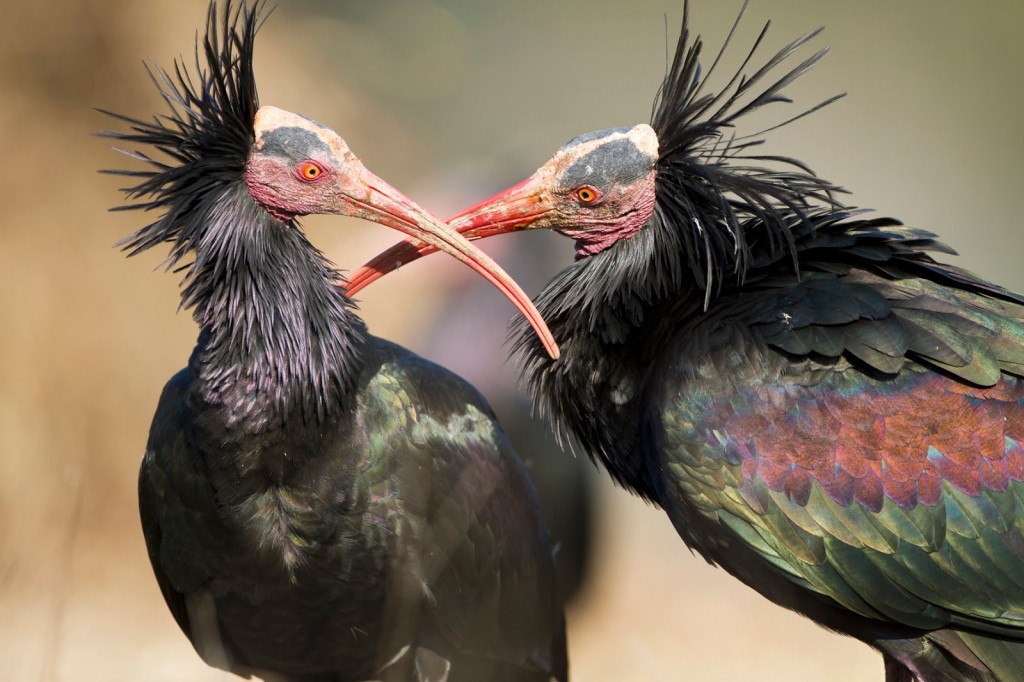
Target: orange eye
587 194
309 170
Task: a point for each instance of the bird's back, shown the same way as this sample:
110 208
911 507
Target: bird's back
402 532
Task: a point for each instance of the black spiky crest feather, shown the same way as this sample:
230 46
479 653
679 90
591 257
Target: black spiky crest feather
276 332
208 133
718 198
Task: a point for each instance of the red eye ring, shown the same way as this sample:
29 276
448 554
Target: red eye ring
310 171
587 194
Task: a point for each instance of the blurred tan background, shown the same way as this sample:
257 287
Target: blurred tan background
450 100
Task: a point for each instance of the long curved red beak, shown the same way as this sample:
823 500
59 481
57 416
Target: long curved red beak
385 204
512 210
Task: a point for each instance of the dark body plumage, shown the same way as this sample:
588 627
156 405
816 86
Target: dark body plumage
881 497
318 503
821 408
321 550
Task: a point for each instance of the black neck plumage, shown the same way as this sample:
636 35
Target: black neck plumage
279 339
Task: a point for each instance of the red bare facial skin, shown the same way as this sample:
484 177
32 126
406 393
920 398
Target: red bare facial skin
601 232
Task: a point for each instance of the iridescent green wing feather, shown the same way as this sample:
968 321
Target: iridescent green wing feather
483 550
863 431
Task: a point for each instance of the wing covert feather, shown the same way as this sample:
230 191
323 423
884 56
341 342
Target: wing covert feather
901 499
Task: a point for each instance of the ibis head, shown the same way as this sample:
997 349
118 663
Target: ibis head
598 188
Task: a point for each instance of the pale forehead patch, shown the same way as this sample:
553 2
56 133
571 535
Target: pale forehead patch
270 118
641 135
645 139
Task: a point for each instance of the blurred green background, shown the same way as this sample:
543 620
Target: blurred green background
450 100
